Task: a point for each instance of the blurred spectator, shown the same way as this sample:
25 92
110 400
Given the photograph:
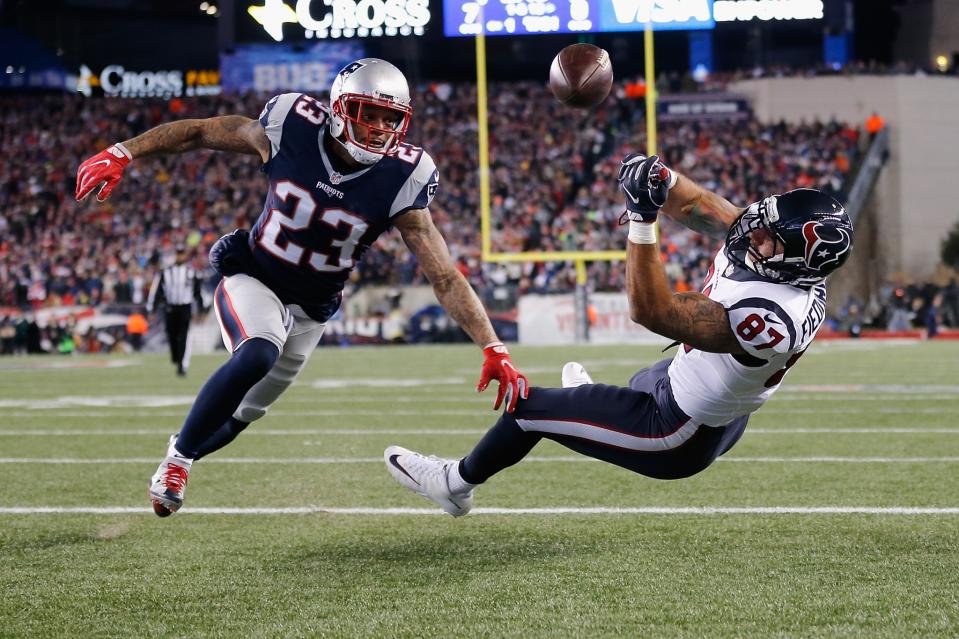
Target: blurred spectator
874 124
137 328
932 316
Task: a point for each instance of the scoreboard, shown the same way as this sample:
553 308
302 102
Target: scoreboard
521 17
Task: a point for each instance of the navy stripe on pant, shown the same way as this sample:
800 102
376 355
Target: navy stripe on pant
639 428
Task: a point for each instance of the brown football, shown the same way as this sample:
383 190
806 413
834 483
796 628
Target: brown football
581 75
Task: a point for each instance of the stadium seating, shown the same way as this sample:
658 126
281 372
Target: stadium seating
553 188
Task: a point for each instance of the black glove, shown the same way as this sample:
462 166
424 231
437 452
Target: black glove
231 254
645 182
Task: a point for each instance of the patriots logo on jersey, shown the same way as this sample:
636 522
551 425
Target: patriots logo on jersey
824 244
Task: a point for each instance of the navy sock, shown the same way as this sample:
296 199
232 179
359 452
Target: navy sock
502 446
223 436
224 391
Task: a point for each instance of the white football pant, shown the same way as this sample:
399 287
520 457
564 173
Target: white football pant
247 308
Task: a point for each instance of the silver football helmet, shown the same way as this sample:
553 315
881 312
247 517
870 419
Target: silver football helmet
359 85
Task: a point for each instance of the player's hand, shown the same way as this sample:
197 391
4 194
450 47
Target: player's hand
512 383
106 168
230 254
645 182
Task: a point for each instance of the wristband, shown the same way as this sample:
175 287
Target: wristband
122 149
642 233
673 179
498 347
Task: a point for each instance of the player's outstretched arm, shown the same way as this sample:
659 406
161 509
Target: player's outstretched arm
698 208
225 133
460 301
690 318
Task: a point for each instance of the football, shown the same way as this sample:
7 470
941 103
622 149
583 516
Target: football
581 75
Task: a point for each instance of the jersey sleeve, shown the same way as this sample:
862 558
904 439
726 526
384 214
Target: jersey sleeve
420 187
762 327
272 117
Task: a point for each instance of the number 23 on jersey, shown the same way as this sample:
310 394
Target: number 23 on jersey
341 251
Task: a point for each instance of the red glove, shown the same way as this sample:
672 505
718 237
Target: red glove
512 383
106 168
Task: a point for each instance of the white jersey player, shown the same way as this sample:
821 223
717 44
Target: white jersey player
774 325
762 304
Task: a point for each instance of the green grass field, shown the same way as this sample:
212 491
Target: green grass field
866 429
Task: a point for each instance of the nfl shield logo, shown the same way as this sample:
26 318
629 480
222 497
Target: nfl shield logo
335 178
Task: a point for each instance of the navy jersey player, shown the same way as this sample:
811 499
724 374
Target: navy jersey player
339 177
761 306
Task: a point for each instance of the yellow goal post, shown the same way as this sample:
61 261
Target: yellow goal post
578 257
484 173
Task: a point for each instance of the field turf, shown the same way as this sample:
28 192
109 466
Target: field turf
837 515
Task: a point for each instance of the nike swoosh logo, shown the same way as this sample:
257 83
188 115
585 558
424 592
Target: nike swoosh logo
401 469
772 319
630 196
107 162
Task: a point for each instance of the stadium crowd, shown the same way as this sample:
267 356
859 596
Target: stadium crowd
552 171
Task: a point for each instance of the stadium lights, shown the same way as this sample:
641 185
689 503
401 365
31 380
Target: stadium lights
942 63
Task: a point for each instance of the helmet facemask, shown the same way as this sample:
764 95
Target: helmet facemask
743 251
349 111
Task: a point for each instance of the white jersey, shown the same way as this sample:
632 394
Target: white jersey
774 323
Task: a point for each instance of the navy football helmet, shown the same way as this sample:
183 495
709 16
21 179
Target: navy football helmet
812 233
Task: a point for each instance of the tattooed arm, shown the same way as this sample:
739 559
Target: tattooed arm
700 209
225 133
452 290
689 318
103 171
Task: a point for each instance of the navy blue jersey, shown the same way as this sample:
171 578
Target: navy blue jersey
316 222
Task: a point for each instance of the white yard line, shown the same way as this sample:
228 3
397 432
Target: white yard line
427 412
551 510
282 461
451 432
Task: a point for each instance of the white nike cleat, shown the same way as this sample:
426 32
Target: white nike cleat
427 476
575 375
168 484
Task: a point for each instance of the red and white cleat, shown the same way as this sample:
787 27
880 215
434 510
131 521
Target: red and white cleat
167 487
169 481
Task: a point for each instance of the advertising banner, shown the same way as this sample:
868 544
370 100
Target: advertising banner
116 81
518 17
703 106
275 68
285 20
551 319
20 78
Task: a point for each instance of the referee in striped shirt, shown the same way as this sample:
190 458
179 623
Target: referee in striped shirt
177 287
